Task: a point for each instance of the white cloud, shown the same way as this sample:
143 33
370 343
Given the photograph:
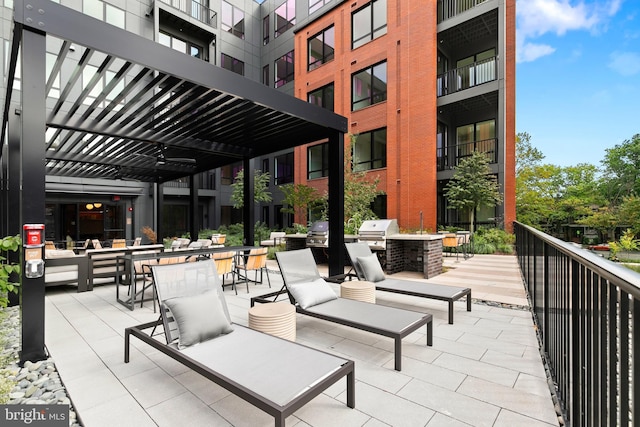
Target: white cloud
625 63
535 18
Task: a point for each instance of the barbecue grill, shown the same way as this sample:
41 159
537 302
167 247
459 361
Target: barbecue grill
318 235
375 232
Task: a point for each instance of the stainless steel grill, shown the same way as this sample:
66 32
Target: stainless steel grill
374 232
318 235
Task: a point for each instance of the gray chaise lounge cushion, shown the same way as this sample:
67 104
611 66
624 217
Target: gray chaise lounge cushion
371 268
311 293
199 318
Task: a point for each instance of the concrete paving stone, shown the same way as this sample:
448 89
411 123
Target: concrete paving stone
461 349
534 385
431 373
451 403
507 418
528 404
441 420
477 369
193 412
204 389
324 411
530 365
390 408
93 390
239 413
152 387
380 377
128 414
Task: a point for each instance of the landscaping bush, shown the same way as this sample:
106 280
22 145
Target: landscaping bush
493 240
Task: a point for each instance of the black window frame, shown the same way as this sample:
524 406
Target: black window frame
289 69
287 21
325 57
323 171
323 96
374 32
265 30
234 63
371 162
231 28
283 174
374 97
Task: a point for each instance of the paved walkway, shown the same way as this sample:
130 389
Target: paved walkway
484 370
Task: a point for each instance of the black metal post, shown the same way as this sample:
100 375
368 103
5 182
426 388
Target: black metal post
336 204
248 208
13 175
194 223
159 195
32 201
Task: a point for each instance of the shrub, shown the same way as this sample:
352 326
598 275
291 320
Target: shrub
9 243
492 240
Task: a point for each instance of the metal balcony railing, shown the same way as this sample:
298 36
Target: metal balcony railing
587 312
469 76
449 157
449 8
195 9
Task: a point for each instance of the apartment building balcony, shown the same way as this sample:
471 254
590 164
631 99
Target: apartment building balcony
448 9
194 9
450 156
475 74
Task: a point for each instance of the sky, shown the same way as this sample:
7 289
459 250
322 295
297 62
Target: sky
577 76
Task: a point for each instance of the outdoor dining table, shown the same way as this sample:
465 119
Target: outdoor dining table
129 277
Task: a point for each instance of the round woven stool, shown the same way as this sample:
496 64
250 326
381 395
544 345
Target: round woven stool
277 319
360 290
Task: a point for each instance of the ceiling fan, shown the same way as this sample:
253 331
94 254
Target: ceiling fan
162 159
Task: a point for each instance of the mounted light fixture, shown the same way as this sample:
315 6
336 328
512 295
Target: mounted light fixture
97 205
89 206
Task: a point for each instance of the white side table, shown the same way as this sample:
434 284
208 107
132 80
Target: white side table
360 290
277 319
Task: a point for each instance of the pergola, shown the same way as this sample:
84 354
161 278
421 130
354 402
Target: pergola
126 107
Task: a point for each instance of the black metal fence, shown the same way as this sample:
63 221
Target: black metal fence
585 310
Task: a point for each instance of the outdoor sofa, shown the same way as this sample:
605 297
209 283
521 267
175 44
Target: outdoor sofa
274 374
367 267
313 296
64 267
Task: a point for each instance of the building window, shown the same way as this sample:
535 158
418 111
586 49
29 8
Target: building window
368 23
265 165
265 75
318 161
370 150
232 64
284 69
265 30
321 48
316 5
181 45
283 166
369 86
285 17
322 97
104 12
228 173
232 20
89 72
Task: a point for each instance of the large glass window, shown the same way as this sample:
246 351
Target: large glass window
318 161
283 166
104 12
284 69
184 46
285 16
265 75
321 48
316 5
228 173
232 64
480 136
322 97
368 23
369 86
370 150
232 20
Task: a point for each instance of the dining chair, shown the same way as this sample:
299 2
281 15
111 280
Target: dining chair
255 260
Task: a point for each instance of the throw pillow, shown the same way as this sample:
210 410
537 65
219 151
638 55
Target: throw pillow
199 317
371 268
308 294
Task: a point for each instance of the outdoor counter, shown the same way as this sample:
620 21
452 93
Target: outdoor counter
414 252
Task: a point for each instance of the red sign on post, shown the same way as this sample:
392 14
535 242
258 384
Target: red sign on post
33 234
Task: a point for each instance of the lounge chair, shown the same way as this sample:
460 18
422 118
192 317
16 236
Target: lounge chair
273 374
367 267
314 297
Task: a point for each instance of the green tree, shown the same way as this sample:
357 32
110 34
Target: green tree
299 198
527 156
260 188
621 170
629 213
472 185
